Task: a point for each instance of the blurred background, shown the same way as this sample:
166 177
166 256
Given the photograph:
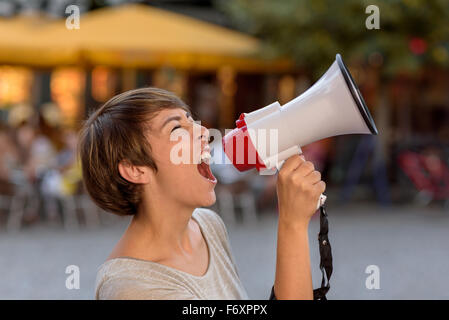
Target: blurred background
388 195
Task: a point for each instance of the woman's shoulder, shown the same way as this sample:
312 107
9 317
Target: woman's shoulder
211 221
116 270
128 276
110 273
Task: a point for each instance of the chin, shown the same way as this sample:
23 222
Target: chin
208 199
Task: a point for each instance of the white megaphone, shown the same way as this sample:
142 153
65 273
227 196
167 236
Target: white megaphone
265 138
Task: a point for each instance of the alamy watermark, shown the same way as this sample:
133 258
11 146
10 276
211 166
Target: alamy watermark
73 20
373 280
373 20
241 148
73 280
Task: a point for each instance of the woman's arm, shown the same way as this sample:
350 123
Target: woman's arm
293 278
299 188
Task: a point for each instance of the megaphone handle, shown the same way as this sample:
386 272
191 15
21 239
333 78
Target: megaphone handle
322 198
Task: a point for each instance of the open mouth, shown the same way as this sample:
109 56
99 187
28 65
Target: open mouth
203 166
204 170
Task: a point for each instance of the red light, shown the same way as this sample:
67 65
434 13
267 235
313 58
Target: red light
417 46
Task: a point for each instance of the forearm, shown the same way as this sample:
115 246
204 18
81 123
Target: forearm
293 278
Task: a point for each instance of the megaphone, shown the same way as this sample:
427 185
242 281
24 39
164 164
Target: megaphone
265 138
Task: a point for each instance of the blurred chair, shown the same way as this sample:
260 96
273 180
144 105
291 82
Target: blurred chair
428 173
237 195
7 195
67 189
16 202
91 212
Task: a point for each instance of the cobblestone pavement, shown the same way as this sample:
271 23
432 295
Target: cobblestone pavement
408 244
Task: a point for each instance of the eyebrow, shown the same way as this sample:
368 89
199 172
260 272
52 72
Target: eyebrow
178 118
170 119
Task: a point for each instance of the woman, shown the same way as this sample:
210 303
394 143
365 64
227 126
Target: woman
173 248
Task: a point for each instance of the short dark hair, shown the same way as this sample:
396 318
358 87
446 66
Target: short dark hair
116 132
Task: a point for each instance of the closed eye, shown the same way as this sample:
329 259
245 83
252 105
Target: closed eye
176 127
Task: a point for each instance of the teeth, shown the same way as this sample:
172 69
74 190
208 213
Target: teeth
205 156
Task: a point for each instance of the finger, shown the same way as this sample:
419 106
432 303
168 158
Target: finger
305 173
320 186
305 168
291 164
313 177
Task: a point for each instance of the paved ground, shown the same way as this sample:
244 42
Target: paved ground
408 244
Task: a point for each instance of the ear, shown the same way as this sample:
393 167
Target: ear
134 174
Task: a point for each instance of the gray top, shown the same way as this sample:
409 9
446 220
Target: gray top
131 278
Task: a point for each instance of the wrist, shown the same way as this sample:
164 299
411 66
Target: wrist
298 225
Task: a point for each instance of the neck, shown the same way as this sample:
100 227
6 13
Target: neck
162 224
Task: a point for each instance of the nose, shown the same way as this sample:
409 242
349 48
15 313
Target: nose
204 136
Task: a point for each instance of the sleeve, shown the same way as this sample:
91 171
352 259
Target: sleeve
131 289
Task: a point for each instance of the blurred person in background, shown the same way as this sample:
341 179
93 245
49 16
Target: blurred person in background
8 160
38 156
62 180
69 165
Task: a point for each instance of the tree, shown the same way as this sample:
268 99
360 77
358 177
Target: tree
413 33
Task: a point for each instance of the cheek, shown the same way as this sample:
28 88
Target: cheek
180 173
177 177
185 152
179 180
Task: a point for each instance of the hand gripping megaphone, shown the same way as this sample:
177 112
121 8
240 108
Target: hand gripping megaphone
265 138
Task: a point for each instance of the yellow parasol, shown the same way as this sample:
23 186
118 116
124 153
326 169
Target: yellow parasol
132 35
21 42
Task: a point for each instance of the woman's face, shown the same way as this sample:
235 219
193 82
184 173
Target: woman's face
177 145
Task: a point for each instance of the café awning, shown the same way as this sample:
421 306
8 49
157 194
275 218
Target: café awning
137 35
22 42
